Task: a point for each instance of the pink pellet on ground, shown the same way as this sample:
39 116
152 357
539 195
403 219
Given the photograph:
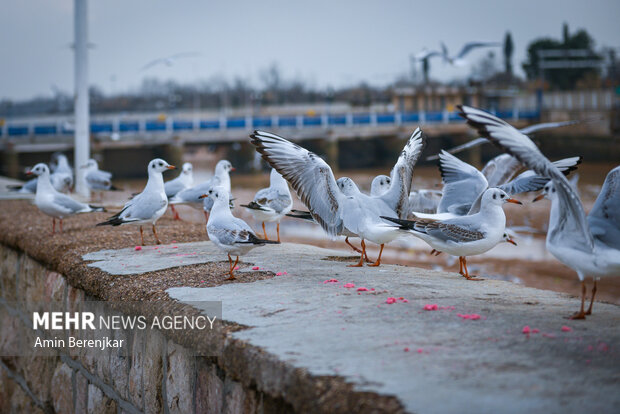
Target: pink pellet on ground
473 316
175 247
372 289
420 350
526 329
255 268
431 307
390 301
331 281
362 289
138 248
406 349
236 268
279 274
566 328
349 285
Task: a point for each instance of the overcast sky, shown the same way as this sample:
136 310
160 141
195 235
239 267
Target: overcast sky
327 43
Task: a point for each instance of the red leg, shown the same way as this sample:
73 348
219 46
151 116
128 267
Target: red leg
361 262
581 314
141 236
60 225
265 232
53 225
155 233
589 311
461 266
206 216
175 212
346 240
278 230
378 262
467 272
232 268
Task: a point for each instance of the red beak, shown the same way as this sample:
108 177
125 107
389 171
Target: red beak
511 241
512 200
203 196
232 169
29 173
538 197
171 167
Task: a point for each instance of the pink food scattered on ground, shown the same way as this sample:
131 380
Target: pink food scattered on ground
255 268
526 329
406 349
285 273
473 316
138 248
431 307
236 268
603 347
349 285
372 289
175 247
566 328
389 301
420 350
279 274
362 289
331 281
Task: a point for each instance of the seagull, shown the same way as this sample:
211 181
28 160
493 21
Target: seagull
191 196
229 233
467 235
464 184
507 237
96 179
590 245
272 203
169 60
379 186
176 185
61 177
62 173
340 207
424 201
54 203
527 131
459 59
149 205
427 54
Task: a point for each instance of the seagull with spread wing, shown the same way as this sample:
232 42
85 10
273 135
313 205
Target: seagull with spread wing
459 59
590 244
339 207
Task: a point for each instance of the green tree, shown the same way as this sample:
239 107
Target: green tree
508 50
562 78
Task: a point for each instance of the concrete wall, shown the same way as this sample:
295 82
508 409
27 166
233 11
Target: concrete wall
158 376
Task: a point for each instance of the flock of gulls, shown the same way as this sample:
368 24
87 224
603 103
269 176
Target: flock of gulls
465 219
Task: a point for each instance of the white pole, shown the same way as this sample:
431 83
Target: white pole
82 122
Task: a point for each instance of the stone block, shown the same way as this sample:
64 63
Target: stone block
136 365
152 371
81 393
179 380
234 397
98 402
55 285
209 389
9 260
62 395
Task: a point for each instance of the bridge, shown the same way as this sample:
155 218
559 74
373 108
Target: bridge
112 131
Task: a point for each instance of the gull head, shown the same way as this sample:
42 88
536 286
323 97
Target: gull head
347 186
380 185
498 197
187 168
91 164
508 237
548 192
159 165
39 169
218 194
223 166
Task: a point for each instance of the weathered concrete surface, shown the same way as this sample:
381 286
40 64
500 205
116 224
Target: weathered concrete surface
433 361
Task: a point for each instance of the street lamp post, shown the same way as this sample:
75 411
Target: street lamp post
81 107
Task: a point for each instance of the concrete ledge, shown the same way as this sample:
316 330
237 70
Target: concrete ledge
301 342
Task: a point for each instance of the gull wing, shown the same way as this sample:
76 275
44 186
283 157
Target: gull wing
310 176
397 196
521 146
462 184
